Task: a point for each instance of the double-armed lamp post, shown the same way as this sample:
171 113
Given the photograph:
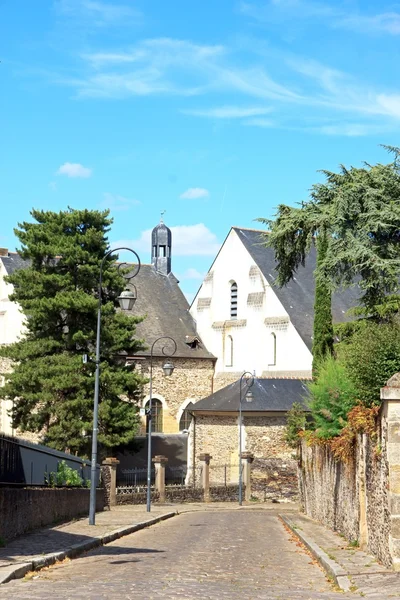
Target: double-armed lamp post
168 369
126 301
248 379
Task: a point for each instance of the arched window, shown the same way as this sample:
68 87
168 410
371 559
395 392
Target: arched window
229 351
185 420
156 415
234 295
272 351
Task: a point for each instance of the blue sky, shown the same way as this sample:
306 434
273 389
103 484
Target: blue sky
216 111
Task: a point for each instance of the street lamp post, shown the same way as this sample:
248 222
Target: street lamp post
249 380
168 369
126 300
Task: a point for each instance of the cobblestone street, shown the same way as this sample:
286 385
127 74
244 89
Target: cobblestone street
224 554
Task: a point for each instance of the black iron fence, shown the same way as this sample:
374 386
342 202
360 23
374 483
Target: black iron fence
224 474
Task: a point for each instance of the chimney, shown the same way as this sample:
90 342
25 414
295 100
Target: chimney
3 251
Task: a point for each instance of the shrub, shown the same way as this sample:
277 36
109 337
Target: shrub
371 355
65 476
332 396
296 422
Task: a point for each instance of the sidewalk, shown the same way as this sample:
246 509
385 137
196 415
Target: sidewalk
350 568
46 546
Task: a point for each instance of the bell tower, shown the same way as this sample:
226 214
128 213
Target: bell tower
161 243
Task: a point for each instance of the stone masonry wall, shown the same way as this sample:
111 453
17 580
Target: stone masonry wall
349 497
360 497
25 509
192 379
273 472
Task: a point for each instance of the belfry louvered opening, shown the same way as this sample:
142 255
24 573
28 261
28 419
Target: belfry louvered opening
234 299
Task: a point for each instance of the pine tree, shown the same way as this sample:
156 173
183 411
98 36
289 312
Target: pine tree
323 328
58 294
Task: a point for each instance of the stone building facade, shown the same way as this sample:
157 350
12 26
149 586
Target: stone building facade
191 381
215 430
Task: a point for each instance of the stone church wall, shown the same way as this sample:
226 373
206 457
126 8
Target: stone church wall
273 473
191 380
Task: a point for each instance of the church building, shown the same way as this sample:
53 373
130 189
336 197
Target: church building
248 322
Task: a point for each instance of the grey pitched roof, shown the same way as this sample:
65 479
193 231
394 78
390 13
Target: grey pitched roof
297 296
160 298
269 395
13 262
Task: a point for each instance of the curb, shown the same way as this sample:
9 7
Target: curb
332 568
37 563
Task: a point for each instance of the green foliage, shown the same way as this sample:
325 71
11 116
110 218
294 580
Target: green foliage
359 211
332 396
296 422
371 355
65 476
58 293
323 328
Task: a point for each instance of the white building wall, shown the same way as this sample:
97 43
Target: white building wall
11 318
253 342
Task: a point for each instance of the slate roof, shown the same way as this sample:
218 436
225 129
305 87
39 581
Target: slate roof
297 296
160 298
13 262
269 395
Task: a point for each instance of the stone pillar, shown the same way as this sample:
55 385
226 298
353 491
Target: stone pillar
109 477
390 396
247 459
205 475
159 464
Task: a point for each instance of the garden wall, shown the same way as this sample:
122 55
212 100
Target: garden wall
360 497
25 509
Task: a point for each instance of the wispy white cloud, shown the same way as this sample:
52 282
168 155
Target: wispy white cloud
117 203
74 170
194 194
187 240
99 13
228 112
332 15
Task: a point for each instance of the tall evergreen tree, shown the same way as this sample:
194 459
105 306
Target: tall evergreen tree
359 211
58 294
323 328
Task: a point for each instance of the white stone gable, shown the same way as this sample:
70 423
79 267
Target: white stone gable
260 336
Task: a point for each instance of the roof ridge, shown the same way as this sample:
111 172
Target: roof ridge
250 229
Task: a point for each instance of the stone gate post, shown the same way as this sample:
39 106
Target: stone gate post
159 463
205 475
109 477
390 396
247 459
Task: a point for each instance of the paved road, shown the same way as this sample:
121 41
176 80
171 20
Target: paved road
226 554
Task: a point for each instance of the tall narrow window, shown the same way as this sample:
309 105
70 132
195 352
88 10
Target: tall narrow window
234 296
229 351
156 415
272 352
185 420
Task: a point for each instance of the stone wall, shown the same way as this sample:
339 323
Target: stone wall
25 509
360 497
329 490
192 380
274 470
181 494
349 497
